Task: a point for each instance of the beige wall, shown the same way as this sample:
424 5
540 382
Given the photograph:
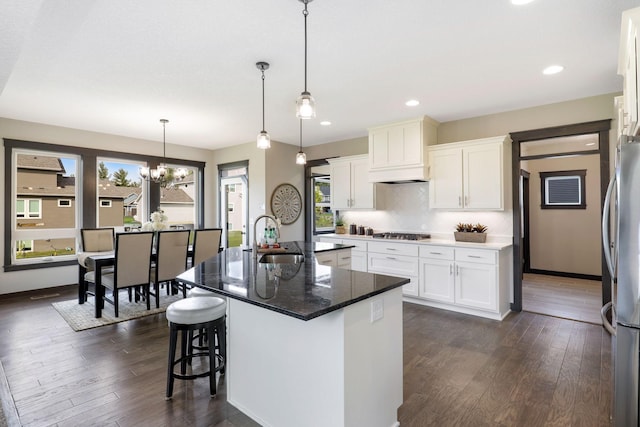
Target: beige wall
566 240
17 281
349 147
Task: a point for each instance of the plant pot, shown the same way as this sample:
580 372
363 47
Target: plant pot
464 236
341 229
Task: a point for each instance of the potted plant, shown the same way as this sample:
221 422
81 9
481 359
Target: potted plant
470 233
340 228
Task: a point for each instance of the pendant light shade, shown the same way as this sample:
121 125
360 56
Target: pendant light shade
305 105
263 140
301 158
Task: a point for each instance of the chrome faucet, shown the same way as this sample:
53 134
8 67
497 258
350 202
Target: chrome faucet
275 220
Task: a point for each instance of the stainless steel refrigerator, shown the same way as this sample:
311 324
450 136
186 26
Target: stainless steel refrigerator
622 251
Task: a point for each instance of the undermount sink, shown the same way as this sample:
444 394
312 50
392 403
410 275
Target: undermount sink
282 258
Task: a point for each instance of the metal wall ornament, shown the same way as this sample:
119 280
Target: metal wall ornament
286 203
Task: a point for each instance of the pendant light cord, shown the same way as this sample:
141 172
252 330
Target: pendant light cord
262 100
301 135
305 12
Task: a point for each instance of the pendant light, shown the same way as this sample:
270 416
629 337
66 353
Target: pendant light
305 105
160 175
264 140
301 158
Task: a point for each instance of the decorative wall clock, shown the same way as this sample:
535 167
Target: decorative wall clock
286 203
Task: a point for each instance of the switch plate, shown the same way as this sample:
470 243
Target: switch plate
377 310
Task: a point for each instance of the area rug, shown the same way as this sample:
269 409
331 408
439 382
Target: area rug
81 316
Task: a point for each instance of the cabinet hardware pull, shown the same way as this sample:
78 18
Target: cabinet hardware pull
346 257
473 256
459 201
450 269
391 249
435 253
466 200
457 270
390 257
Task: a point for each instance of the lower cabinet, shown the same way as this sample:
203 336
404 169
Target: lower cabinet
339 258
467 280
395 259
357 255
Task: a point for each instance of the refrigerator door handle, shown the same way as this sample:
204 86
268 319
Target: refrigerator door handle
605 322
606 241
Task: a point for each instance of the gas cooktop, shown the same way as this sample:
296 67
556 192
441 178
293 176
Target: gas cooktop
401 236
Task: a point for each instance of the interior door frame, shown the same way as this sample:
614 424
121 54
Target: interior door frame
600 127
526 238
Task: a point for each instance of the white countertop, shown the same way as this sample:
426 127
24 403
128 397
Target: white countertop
440 241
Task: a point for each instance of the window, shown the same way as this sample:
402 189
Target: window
28 208
563 189
48 194
323 217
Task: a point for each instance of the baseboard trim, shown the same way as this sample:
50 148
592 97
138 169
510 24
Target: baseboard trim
563 274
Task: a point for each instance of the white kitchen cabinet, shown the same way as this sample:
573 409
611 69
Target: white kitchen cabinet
340 258
469 280
395 259
628 67
350 188
469 175
358 254
397 152
436 274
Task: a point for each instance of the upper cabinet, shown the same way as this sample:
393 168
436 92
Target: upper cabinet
628 67
350 188
398 151
469 175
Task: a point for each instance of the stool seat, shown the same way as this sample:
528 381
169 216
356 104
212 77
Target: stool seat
191 311
200 292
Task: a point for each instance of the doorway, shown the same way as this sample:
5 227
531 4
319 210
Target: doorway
234 207
528 147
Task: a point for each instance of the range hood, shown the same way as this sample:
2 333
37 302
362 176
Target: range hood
399 175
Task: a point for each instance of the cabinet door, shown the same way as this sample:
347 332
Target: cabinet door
476 285
631 82
378 148
482 172
402 266
412 149
445 187
437 280
340 188
362 194
359 261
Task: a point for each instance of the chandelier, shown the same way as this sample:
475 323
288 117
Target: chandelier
163 175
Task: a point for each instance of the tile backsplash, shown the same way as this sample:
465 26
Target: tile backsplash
405 207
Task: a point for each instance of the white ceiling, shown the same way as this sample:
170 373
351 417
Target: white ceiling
118 66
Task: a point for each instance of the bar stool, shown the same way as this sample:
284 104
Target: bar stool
189 315
201 335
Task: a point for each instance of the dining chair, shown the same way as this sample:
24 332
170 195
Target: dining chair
131 268
93 241
171 260
206 244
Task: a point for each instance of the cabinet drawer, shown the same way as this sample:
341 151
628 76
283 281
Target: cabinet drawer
405 249
327 258
393 265
478 256
360 245
437 252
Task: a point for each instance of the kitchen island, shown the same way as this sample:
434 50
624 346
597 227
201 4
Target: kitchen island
308 344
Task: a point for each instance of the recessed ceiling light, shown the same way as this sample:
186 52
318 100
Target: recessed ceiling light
412 103
552 69
520 2
326 123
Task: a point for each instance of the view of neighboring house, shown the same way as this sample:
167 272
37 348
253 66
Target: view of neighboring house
45 198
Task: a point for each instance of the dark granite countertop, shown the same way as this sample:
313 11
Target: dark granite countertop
304 291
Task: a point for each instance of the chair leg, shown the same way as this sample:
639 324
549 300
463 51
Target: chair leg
156 288
212 361
221 334
173 337
115 301
147 291
183 352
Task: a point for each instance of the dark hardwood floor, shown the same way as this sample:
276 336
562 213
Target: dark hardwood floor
529 370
